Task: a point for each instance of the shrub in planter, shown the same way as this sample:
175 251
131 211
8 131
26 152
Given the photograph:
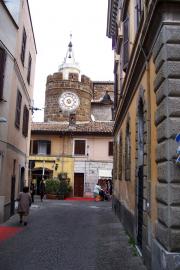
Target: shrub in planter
52 186
64 185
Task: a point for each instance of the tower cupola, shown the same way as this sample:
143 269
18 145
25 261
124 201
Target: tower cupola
69 64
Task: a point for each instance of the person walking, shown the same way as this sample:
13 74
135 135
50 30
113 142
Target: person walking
24 203
42 189
98 192
32 191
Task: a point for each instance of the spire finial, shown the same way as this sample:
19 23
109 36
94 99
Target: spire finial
69 60
70 36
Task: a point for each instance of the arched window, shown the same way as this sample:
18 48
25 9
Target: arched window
127 153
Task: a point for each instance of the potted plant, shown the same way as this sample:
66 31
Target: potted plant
52 188
64 185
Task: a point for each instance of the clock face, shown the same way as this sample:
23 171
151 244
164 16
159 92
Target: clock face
68 101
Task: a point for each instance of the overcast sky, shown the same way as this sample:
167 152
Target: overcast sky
53 21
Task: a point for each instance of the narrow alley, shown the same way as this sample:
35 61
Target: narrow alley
78 235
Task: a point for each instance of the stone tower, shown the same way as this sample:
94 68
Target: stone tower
68 92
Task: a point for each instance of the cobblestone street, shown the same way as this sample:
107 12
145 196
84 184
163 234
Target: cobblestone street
68 235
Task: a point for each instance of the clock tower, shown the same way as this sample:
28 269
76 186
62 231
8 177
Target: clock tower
68 92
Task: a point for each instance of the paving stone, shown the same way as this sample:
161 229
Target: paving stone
69 236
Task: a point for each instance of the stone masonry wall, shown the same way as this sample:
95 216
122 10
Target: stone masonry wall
56 86
166 54
90 170
99 90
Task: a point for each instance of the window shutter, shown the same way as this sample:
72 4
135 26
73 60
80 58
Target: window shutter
138 12
2 68
110 148
120 157
115 90
18 109
127 154
25 121
35 147
126 43
23 46
79 148
30 147
29 69
48 147
115 160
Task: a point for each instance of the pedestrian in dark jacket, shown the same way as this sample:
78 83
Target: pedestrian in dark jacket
32 191
24 199
42 189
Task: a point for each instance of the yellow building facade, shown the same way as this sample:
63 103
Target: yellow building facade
146 69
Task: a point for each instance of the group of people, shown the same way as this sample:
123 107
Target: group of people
41 190
26 198
101 194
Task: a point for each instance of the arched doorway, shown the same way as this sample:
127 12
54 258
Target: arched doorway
140 176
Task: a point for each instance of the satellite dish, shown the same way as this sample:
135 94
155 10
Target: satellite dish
177 138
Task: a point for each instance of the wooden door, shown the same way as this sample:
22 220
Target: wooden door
78 184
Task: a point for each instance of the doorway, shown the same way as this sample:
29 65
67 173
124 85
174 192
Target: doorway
38 174
13 183
78 184
21 186
140 207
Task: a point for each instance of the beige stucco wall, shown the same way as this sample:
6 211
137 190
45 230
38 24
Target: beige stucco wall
96 147
13 145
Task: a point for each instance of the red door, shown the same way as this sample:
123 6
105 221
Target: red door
78 184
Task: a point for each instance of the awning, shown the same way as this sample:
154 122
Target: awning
105 173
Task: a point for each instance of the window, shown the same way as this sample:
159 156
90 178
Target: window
79 147
2 69
25 121
127 153
115 160
18 109
30 147
126 43
121 74
110 149
29 69
138 10
41 147
23 46
120 157
115 91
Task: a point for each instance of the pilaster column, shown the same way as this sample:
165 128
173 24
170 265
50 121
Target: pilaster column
166 55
